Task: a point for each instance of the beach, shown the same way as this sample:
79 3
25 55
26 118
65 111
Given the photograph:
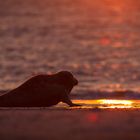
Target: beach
69 124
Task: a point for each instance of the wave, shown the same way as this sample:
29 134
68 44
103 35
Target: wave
127 94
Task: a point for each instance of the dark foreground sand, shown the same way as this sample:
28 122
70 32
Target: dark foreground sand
63 124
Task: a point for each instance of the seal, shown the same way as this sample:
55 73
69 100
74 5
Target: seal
41 91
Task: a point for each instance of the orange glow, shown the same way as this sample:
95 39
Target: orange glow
108 103
115 102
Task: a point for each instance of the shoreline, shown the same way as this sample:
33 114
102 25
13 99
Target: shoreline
100 104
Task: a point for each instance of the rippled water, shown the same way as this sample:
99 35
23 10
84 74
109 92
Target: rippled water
96 40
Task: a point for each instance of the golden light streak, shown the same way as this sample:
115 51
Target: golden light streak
108 103
115 102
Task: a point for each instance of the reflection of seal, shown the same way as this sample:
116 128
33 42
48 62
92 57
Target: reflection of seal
41 91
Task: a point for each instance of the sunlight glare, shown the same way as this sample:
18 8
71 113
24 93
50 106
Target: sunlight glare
115 102
108 103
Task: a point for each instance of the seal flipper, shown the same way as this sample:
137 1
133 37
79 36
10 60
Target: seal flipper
67 100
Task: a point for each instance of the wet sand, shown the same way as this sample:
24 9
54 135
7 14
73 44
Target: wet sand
69 124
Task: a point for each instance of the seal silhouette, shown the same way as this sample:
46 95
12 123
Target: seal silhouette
41 91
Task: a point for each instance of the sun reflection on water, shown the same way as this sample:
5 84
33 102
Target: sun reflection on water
108 103
116 103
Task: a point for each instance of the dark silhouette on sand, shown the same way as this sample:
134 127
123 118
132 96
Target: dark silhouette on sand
41 91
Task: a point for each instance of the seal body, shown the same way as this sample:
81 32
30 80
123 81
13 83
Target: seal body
41 91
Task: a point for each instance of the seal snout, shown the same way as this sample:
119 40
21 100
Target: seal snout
75 81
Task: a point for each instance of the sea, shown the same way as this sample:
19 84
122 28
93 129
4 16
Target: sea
97 40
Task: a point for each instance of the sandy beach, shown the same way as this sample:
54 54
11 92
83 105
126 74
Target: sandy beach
72 124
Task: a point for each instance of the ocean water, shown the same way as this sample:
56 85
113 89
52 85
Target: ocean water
97 40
